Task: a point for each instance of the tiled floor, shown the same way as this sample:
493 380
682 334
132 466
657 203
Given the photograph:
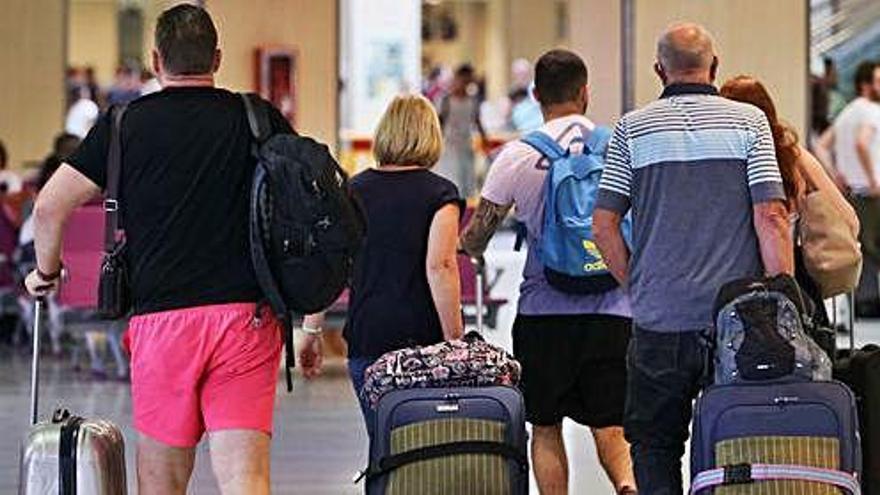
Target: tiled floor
319 442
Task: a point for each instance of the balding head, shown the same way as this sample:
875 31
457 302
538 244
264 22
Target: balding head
686 50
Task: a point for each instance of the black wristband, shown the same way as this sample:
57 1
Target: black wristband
49 277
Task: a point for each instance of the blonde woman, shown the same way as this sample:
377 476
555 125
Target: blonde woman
406 288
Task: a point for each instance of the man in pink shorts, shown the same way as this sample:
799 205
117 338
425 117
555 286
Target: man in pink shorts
204 354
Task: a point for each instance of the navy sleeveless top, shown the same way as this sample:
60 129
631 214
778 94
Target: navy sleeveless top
390 306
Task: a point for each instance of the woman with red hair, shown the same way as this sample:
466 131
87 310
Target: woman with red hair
801 171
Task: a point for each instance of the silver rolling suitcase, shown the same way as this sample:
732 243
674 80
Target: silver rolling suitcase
69 455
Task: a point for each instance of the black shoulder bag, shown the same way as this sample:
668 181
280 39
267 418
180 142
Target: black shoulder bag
114 292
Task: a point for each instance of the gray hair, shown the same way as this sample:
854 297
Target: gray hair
685 47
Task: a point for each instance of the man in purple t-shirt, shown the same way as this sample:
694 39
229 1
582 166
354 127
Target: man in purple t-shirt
572 347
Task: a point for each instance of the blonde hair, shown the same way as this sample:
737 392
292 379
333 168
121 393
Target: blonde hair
409 133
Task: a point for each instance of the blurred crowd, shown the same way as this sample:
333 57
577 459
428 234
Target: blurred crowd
86 99
459 96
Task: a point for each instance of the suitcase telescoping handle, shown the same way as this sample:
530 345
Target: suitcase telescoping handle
35 359
479 267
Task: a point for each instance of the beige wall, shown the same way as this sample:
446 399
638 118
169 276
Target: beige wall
93 38
309 26
470 45
531 28
767 39
595 34
31 89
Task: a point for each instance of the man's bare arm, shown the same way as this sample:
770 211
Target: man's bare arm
482 227
774 237
609 240
66 191
864 140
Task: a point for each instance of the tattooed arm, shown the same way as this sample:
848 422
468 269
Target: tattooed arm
482 226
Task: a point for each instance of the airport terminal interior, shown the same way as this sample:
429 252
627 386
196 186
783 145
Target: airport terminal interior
331 67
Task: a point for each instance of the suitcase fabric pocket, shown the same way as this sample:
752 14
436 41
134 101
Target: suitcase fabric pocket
455 474
819 452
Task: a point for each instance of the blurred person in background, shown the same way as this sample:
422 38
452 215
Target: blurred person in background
72 83
525 113
459 115
406 289
91 84
8 235
11 190
125 88
826 100
520 74
801 173
434 86
82 115
851 150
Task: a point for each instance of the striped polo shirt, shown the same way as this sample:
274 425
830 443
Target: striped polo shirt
689 165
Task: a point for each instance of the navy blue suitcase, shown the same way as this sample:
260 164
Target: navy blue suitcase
444 441
768 425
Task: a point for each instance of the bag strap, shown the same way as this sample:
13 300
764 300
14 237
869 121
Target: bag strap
114 174
265 279
393 462
749 473
545 145
258 116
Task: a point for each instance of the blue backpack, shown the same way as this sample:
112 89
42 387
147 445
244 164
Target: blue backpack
572 262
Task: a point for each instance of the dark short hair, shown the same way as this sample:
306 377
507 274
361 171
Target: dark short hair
4 157
864 75
465 70
186 40
559 76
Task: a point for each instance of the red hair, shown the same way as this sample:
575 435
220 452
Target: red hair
747 89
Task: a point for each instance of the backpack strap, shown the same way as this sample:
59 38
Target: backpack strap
261 130
545 145
749 473
597 143
258 116
114 173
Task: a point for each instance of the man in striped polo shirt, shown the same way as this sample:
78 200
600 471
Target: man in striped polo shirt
700 175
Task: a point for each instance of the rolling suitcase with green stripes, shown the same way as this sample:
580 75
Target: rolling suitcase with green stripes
450 441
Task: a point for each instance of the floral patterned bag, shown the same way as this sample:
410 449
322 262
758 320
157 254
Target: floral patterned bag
468 362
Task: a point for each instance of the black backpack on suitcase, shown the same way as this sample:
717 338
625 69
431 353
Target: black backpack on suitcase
305 225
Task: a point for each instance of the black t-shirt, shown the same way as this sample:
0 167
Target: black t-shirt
184 192
391 306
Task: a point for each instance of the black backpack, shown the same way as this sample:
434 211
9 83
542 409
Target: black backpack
305 225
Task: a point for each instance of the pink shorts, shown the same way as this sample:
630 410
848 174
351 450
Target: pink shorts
200 369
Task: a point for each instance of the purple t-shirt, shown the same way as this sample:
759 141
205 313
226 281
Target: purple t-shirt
517 178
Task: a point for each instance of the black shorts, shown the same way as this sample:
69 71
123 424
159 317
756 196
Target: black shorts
573 366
